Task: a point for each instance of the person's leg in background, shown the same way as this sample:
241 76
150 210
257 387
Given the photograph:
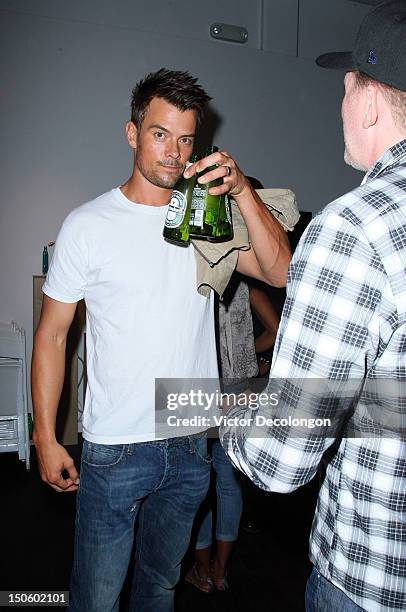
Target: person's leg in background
165 523
199 574
229 510
204 575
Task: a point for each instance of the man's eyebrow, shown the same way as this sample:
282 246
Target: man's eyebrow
159 127
156 126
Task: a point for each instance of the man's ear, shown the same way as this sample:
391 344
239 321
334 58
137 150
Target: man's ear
132 134
370 106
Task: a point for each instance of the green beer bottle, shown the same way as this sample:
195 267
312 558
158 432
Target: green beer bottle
176 227
224 226
205 206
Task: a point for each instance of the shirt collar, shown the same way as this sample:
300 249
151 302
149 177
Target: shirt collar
392 157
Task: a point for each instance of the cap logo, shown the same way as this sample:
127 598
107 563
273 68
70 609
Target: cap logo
372 59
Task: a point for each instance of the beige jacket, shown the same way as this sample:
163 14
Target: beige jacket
216 261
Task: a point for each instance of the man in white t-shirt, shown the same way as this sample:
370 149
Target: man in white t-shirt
145 320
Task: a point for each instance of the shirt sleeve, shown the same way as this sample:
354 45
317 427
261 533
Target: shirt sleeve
327 339
66 278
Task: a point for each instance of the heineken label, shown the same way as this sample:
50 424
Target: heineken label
197 208
176 210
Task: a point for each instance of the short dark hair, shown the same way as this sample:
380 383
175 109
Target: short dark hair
174 86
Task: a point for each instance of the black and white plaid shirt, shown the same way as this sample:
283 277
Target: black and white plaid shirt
344 320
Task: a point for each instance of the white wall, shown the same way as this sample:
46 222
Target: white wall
67 69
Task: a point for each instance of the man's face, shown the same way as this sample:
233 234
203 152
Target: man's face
164 143
352 110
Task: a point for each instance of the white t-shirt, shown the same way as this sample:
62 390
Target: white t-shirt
145 318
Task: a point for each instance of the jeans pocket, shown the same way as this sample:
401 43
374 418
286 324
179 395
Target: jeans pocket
102 455
198 446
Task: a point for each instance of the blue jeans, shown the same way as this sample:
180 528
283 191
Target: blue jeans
229 501
323 596
163 484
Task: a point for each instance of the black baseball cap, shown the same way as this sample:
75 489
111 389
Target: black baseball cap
380 46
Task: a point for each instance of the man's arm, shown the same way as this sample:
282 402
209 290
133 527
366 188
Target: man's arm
269 256
47 376
329 333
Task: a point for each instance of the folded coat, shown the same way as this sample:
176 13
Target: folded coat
216 261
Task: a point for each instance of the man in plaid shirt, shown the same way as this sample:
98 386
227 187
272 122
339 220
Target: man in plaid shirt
341 348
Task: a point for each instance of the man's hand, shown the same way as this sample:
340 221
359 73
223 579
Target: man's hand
234 181
53 460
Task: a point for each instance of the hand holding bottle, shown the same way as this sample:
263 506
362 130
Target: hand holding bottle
222 166
199 206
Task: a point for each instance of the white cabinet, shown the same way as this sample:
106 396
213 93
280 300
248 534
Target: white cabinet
14 436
